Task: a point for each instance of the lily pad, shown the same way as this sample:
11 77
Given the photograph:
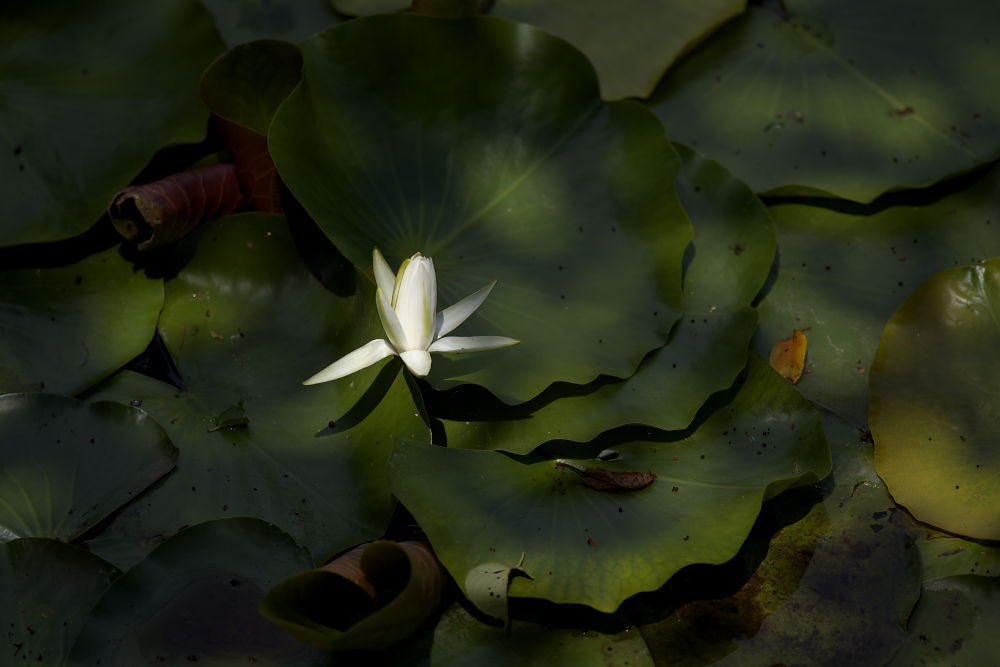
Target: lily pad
593 547
64 328
954 623
733 251
630 42
69 464
822 99
843 274
460 639
509 168
369 598
49 588
246 323
90 93
933 409
194 599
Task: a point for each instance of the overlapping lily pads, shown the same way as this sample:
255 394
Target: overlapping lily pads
843 273
64 328
246 323
69 464
820 98
596 547
630 43
493 154
734 245
934 397
194 599
90 93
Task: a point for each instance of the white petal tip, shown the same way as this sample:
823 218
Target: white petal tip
418 361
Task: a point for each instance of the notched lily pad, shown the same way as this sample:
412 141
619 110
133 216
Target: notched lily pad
597 548
525 177
369 598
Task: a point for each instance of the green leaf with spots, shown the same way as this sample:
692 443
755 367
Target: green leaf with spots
630 42
68 464
194 599
733 251
485 145
843 273
89 93
246 323
934 395
460 639
593 547
823 99
64 328
48 590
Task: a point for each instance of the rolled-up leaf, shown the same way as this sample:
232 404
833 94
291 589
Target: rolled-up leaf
254 167
369 598
164 211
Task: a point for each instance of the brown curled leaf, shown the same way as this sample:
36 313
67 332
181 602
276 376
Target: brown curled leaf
166 210
603 479
254 167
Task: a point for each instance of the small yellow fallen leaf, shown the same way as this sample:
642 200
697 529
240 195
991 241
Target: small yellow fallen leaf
788 356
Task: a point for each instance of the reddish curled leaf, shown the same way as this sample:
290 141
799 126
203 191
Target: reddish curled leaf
603 479
788 356
164 211
254 167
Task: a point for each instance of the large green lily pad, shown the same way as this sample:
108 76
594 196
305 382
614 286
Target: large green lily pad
843 273
90 93
194 600
492 153
48 590
733 250
62 329
69 464
593 547
632 42
935 391
246 323
824 99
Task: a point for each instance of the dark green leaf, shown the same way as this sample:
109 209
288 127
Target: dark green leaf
69 464
48 590
90 91
825 99
194 600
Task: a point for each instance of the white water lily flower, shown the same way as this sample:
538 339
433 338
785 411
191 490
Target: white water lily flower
407 306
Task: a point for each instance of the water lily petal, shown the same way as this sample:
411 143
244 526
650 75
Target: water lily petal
363 357
384 277
455 314
471 343
390 321
418 361
416 301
